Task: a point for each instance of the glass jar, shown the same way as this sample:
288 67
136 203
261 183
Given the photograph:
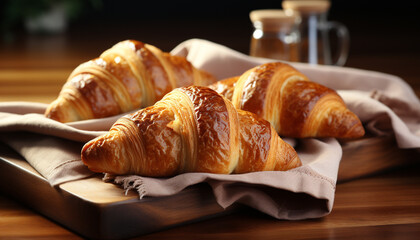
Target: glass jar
276 34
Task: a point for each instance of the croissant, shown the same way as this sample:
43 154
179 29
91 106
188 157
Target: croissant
192 129
128 76
294 105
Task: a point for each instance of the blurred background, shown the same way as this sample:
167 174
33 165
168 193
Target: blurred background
384 36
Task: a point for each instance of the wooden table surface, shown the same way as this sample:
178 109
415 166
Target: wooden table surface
380 206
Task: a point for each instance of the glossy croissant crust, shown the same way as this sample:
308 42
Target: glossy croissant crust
294 105
192 129
128 76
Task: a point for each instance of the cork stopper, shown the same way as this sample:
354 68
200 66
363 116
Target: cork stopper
307 6
274 19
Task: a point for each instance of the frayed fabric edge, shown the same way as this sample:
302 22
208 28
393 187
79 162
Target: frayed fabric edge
129 182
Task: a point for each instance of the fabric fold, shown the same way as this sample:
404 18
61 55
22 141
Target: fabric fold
296 194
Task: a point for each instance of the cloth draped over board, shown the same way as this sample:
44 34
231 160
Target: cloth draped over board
384 103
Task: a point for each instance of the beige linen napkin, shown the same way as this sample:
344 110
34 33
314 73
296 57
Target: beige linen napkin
384 103
304 192
52 148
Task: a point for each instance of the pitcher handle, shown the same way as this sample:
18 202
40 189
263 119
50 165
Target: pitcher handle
343 41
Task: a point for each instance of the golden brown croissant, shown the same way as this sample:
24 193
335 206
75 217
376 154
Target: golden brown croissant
127 76
192 129
296 106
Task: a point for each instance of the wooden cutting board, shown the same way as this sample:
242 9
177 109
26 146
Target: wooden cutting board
95 209
99 210
372 155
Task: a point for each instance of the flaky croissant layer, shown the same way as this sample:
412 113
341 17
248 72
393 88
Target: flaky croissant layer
125 77
294 105
192 129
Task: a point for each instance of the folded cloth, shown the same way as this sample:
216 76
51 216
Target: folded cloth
384 103
300 193
52 148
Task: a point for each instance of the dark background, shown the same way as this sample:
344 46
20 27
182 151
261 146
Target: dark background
376 27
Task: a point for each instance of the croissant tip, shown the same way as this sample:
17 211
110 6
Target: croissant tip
91 156
86 154
293 160
53 112
357 131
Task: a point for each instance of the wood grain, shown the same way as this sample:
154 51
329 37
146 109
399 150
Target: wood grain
369 208
380 207
372 155
38 85
17 221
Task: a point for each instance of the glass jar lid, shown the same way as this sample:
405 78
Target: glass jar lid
307 6
274 19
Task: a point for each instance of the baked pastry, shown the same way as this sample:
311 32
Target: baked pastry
128 76
225 87
192 129
294 105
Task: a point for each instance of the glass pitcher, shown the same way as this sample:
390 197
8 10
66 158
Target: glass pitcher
316 31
